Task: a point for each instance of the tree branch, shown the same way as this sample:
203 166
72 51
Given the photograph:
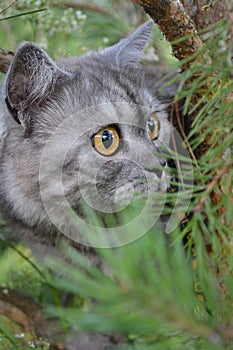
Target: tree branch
204 15
175 23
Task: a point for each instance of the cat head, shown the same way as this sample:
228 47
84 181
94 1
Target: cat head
34 79
88 127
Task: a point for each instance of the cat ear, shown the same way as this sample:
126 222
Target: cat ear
130 50
30 80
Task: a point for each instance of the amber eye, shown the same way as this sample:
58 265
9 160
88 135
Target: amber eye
106 141
153 126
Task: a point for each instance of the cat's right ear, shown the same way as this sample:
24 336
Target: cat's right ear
30 80
129 51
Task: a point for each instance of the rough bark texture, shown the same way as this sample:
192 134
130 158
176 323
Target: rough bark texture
204 15
175 23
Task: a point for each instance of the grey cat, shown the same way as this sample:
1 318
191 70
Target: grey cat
84 130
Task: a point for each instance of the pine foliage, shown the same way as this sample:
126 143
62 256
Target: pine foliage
168 291
159 294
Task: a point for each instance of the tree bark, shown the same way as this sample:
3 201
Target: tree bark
204 14
175 23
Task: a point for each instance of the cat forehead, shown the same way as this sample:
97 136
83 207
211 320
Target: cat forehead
98 93
131 118
78 63
96 72
91 119
95 80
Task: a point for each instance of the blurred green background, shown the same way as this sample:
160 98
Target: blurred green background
65 28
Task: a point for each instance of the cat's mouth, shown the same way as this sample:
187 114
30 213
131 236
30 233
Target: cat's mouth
120 184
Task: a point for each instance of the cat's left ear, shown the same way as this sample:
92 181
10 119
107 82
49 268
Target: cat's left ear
30 81
130 50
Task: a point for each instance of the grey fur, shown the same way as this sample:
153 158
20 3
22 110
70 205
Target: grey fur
96 90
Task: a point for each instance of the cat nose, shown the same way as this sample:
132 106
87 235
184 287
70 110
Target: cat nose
158 169
162 162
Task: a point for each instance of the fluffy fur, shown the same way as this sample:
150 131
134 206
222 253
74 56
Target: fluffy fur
74 98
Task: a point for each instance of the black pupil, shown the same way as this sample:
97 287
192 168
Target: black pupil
151 125
107 138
